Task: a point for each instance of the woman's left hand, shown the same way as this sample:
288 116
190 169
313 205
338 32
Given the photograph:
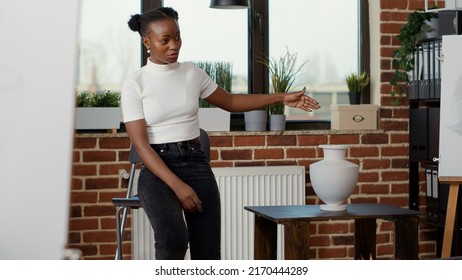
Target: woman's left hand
300 100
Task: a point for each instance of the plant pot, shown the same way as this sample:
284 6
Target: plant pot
354 97
256 120
98 118
333 178
214 119
277 122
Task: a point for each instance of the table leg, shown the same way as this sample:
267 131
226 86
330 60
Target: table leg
265 247
297 240
365 239
407 238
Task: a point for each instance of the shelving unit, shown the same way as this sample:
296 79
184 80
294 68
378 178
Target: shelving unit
424 92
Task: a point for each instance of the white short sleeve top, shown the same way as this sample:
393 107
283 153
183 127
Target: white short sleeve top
167 98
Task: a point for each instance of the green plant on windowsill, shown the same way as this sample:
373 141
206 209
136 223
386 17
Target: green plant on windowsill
356 83
283 73
98 99
411 35
220 72
98 110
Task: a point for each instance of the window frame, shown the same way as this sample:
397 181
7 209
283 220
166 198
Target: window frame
258 32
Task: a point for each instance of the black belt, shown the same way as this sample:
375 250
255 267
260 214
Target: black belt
180 144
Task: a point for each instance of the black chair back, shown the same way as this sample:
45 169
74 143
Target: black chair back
205 143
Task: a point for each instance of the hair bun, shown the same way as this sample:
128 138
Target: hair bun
134 23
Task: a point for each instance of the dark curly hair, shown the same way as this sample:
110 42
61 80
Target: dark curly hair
139 23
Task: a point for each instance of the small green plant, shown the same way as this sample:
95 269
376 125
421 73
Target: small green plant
283 73
98 99
356 83
411 34
220 72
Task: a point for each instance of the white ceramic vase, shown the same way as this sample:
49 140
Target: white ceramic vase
334 178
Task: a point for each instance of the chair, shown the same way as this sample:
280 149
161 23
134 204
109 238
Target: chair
133 201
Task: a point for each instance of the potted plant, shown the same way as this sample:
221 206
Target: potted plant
212 118
98 110
356 83
411 34
283 73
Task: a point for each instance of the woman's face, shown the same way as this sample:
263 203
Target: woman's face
163 41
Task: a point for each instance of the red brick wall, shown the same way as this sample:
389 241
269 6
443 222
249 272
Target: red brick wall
95 181
382 156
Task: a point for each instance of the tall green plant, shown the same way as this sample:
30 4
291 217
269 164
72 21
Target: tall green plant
220 72
283 73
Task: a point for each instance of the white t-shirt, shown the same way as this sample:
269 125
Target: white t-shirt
167 97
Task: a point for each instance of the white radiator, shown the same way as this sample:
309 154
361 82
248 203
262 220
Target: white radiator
239 187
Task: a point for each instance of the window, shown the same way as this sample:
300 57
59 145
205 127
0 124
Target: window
331 35
325 35
108 50
208 35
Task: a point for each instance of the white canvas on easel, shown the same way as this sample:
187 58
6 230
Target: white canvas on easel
450 148
450 152
37 100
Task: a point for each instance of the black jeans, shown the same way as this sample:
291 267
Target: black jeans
172 232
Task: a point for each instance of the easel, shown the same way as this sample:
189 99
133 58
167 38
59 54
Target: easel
454 183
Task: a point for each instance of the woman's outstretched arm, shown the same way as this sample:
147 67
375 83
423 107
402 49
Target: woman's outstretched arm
248 102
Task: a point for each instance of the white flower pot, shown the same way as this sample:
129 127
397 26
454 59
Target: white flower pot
334 178
277 122
256 120
98 117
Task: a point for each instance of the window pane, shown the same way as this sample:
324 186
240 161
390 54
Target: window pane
214 35
323 33
108 50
